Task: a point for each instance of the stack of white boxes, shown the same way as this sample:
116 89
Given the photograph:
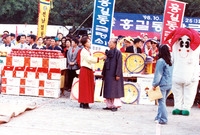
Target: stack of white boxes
32 76
10 85
50 87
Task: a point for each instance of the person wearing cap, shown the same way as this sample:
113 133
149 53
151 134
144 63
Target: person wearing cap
58 43
3 38
154 49
136 48
153 52
7 45
126 42
6 32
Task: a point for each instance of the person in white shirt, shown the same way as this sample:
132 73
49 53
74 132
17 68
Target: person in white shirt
22 43
86 75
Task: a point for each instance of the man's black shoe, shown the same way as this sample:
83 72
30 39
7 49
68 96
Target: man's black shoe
106 108
113 109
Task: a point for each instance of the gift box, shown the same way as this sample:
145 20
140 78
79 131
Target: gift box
9 60
57 63
41 83
27 61
41 92
7 71
12 90
17 61
18 72
55 93
52 84
45 62
21 90
54 73
30 72
2 63
29 82
10 81
35 62
30 91
41 73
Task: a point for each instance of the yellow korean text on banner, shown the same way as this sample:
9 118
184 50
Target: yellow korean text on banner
43 17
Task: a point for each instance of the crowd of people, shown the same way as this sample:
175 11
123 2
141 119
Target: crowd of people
145 45
112 75
68 45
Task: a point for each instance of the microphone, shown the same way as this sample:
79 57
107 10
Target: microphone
106 52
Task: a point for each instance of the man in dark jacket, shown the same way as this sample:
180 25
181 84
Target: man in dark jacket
113 77
54 46
136 47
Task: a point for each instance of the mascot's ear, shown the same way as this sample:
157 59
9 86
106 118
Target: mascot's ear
195 39
179 32
170 36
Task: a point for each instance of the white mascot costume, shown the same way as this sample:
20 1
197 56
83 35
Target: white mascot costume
185 53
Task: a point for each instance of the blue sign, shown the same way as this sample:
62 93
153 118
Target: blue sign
102 22
137 22
134 25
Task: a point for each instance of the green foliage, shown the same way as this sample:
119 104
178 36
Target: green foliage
192 8
140 6
75 12
20 11
67 12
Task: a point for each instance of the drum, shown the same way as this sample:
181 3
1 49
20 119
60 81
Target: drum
135 63
131 93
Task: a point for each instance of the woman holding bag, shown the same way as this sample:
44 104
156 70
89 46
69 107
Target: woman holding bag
163 79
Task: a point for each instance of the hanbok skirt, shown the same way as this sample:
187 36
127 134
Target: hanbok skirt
86 85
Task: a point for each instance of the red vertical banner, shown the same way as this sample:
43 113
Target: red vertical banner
173 17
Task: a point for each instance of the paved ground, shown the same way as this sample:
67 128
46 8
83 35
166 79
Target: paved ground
64 117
